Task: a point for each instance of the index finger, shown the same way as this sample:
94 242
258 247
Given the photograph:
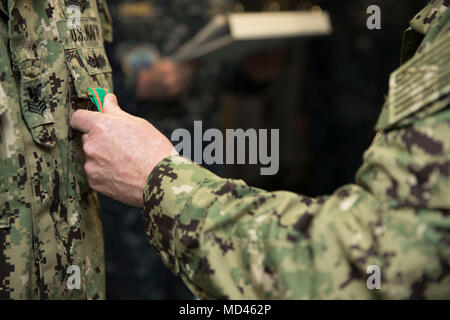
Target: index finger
82 120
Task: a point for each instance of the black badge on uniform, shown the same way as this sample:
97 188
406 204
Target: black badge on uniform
82 4
36 104
96 61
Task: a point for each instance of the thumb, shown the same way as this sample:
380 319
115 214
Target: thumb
110 104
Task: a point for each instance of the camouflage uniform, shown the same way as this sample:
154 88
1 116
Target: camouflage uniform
49 218
229 240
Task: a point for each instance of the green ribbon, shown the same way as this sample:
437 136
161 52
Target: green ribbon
97 96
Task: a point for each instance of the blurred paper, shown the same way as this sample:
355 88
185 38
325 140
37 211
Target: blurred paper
235 35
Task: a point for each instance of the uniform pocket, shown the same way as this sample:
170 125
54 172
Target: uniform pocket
85 55
34 104
89 68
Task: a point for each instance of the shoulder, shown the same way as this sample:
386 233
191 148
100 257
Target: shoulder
419 88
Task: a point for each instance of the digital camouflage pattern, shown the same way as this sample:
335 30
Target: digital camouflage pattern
49 217
228 240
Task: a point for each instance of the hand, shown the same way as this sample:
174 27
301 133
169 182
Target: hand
121 151
164 81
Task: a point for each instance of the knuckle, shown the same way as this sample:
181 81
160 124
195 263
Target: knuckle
88 168
88 148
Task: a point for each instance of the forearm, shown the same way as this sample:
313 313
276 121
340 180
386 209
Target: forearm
229 240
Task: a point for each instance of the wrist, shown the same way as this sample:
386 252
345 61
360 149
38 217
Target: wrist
147 172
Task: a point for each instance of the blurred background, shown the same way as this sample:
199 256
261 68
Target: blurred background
324 94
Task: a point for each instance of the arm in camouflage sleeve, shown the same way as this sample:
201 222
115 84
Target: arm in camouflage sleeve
229 240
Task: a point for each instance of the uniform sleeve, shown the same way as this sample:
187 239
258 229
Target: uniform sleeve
228 240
